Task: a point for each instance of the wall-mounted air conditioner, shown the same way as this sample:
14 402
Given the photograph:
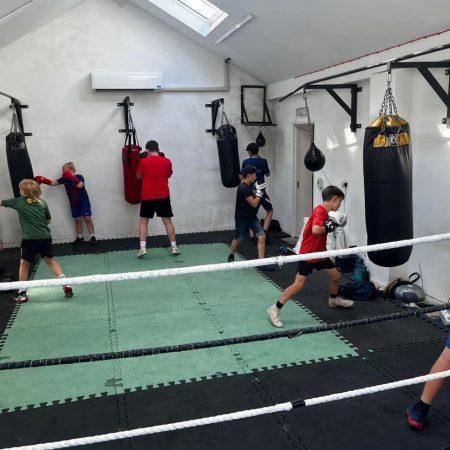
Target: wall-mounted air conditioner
118 80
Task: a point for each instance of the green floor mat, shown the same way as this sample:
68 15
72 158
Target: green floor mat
107 317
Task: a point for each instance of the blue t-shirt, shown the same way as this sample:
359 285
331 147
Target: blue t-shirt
76 196
262 168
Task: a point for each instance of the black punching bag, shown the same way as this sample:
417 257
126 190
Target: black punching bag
260 140
314 158
227 146
19 163
388 188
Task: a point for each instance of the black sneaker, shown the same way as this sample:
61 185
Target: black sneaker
416 416
231 258
77 242
92 241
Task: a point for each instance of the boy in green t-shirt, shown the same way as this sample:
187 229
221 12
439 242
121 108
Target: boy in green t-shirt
34 218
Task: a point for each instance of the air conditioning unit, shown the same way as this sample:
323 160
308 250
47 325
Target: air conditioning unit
109 80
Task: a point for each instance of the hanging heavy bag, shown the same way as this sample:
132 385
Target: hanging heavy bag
314 159
388 184
227 147
19 163
130 161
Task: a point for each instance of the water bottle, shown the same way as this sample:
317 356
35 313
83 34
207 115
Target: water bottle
360 269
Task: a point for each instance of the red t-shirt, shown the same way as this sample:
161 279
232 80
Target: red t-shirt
315 243
155 171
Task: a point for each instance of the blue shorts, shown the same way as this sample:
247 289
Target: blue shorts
448 339
243 225
82 209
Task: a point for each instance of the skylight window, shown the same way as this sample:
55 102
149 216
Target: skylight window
200 15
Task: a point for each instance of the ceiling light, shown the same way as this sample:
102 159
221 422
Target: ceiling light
233 28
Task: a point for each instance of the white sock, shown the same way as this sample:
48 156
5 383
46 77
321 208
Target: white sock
173 243
80 236
62 276
92 235
143 244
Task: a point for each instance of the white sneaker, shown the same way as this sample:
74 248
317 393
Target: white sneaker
142 252
174 251
274 316
339 302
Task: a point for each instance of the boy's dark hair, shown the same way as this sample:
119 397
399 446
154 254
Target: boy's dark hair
152 145
247 170
253 148
330 191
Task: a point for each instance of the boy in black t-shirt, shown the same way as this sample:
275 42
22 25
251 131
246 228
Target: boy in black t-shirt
262 171
248 197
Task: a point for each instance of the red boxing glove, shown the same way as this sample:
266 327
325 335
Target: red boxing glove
40 179
69 175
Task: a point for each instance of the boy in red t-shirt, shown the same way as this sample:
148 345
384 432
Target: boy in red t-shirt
315 240
155 170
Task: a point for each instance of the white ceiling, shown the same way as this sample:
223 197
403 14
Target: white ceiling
287 37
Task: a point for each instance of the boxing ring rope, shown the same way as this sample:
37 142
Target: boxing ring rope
288 406
292 333
280 260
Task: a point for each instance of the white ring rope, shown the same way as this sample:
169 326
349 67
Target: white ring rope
280 260
288 406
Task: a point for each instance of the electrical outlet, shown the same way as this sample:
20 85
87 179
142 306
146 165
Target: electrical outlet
320 183
445 317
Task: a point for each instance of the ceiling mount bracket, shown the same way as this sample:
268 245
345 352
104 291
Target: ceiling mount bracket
267 120
350 110
214 105
424 69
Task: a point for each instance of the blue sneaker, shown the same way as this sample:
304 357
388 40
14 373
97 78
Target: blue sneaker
416 416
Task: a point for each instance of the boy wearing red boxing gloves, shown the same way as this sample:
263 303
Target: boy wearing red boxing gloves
78 199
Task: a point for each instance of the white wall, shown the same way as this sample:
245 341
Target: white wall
418 104
49 69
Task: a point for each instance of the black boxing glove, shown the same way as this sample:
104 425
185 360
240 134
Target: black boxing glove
330 225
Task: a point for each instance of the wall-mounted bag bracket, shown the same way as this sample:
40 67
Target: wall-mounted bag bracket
424 69
267 120
350 110
126 103
214 105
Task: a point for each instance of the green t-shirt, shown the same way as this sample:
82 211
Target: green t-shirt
33 215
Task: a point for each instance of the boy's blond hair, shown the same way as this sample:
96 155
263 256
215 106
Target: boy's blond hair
69 165
30 189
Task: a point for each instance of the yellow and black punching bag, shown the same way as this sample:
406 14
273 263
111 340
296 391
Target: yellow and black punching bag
388 187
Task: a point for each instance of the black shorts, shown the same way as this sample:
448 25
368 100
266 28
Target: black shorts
265 202
305 268
160 206
31 247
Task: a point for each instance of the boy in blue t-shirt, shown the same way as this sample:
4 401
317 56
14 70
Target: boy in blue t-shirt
78 199
262 171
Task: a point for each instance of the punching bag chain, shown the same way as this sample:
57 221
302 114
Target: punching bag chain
224 115
305 98
15 126
388 107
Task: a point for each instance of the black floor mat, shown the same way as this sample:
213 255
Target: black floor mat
388 351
